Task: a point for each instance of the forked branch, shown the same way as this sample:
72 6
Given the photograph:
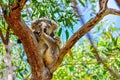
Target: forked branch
82 31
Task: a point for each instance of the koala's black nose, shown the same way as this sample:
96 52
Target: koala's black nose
45 30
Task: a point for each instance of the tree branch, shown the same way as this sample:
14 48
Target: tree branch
9 61
118 3
30 45
28 40
7 35
18 5
103 6
82 31
22 3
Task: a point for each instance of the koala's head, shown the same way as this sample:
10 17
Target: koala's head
47 25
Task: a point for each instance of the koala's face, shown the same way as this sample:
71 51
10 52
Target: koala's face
47 28
43 25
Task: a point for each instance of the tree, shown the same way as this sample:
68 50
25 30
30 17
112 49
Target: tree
12 15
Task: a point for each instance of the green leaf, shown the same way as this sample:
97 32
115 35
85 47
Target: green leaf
21 75
92 1
60 31
24 15
82 3
67 34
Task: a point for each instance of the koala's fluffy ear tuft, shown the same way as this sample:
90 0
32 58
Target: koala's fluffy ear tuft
31 27
33 24
54 24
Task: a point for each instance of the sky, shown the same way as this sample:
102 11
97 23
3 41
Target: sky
110 19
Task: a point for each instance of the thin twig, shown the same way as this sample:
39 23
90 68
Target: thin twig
10 67
8 56
2 37
7 35
118 3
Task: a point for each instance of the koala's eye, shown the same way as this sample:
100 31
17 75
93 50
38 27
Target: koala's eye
48 26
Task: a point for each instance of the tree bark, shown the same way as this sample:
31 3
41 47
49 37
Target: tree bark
39 72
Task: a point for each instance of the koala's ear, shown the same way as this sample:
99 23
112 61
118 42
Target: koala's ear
32 27
33 24
54 25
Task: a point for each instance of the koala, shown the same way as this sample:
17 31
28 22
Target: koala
49 44
52 52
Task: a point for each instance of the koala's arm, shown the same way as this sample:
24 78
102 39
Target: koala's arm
36 36
48 39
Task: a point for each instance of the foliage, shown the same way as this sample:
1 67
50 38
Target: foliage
84 65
